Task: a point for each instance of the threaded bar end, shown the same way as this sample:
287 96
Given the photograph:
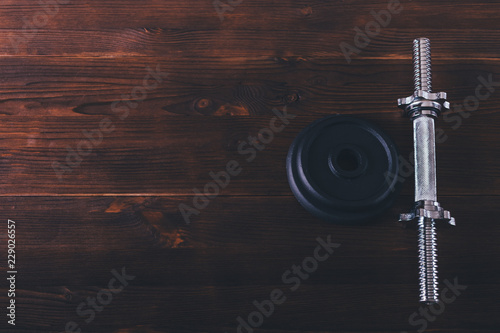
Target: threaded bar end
422 64
427 255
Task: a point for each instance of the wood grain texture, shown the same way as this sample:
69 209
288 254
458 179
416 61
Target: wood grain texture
160 154
252 28
217 83
154 231
231 86
217 308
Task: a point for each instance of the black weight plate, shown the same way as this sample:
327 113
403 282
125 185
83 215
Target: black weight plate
342 169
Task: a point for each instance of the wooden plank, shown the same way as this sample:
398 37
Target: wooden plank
256 15
144 329
155 154
230 86
234 241
250 29
246 33
151 329
393 42
309 308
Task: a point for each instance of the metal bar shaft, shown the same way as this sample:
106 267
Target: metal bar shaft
424 145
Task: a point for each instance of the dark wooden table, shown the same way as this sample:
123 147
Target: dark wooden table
113 113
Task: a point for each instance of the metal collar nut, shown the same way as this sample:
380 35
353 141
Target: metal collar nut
429 209
423 102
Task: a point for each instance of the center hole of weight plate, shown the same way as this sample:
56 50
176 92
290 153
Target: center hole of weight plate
347 161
